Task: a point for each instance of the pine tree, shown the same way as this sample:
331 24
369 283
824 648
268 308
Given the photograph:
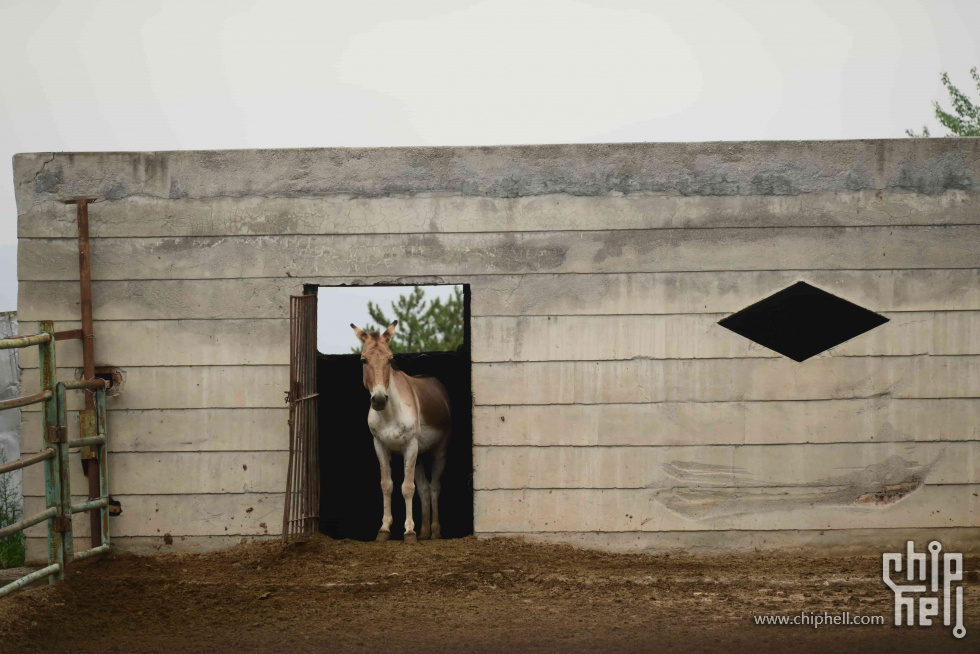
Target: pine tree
422 327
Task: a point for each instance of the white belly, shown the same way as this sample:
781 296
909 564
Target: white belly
395 432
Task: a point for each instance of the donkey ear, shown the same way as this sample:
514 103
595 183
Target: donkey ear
361 334
390 332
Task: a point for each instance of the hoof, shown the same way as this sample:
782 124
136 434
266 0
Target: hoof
436 533
383 536
424 535
410 537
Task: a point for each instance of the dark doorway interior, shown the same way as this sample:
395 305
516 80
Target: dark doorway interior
350 479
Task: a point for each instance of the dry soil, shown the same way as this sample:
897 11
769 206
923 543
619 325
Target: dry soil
462 595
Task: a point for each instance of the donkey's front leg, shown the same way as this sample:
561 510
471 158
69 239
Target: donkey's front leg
384 458
408 488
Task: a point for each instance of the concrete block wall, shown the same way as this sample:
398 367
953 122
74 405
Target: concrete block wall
610 409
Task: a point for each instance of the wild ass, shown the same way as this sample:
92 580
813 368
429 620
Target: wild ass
408 415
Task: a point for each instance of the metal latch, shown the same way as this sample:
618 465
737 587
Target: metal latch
57 434
62 523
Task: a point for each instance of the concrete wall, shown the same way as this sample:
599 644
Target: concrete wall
9 388
610 408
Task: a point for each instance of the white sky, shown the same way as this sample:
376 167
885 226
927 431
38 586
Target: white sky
176 74
338 307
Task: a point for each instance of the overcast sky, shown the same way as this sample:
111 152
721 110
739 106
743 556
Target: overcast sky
174 74
338 307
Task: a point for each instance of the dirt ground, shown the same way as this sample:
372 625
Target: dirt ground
462 595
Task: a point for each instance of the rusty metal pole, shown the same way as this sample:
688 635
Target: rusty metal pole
88 354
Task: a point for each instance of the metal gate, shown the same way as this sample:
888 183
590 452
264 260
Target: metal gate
57 477
301 513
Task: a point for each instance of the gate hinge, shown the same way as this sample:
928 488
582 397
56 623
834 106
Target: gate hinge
57 434
62 523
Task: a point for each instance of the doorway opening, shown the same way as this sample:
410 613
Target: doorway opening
350 477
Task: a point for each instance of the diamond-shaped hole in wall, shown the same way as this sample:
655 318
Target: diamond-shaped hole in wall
801 321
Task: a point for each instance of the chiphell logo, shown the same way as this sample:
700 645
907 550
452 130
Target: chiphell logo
917 568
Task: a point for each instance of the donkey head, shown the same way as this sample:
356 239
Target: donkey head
376 359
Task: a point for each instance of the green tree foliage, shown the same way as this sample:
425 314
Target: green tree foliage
422 326
11 547
964 117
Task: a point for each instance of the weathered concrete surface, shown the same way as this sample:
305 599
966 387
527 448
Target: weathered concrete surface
498 339
177 343
541 510
699 336
858 468
224 514
724 380
203 473
163 299
610 408
182 430
924 166
512 295
723 249
10 388
879 418
185 387
693 292
141 216
788 507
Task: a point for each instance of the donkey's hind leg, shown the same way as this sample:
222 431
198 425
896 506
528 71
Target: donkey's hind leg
438 466
422 486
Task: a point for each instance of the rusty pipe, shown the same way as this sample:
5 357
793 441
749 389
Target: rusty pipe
14 342
26 400
84 384
25 461
88 347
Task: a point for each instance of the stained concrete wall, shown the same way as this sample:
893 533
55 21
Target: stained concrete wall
610 409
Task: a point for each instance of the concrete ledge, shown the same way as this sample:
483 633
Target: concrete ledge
927 166
846 542
843 542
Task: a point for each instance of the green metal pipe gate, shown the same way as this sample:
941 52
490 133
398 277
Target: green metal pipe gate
57 478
